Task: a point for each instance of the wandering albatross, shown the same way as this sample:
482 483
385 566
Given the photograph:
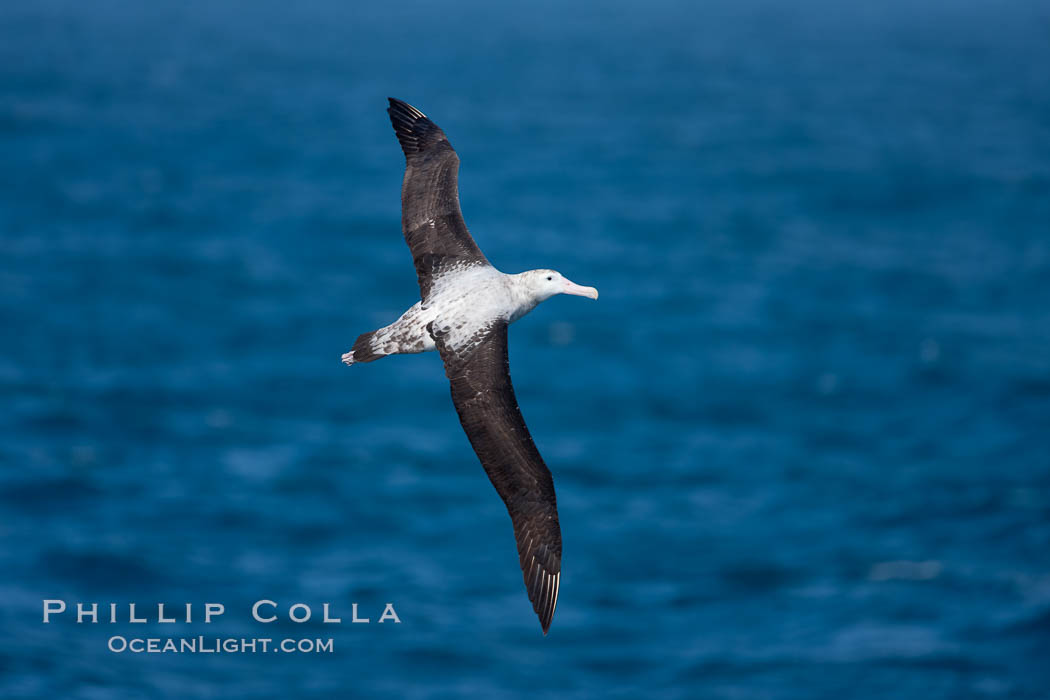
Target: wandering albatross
465 307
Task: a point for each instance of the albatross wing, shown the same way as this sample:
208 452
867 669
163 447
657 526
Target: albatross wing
479 371
430 216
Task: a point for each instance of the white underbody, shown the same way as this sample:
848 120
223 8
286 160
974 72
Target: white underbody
461 302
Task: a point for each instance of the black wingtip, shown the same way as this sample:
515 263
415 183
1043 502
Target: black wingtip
543 593
545 621
415 132
403 108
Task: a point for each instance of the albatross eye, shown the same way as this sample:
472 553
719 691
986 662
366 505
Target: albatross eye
549 278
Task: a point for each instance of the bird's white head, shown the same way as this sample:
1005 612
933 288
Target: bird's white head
543 284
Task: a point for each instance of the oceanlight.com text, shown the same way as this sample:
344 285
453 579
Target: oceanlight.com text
218 645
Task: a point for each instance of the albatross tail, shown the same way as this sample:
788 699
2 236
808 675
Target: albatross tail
364 349
407 334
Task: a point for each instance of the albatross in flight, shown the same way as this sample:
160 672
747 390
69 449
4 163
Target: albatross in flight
465 308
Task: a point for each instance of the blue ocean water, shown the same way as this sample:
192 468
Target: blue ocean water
800 442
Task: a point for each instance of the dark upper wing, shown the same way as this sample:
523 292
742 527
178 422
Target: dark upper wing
430 215
481 390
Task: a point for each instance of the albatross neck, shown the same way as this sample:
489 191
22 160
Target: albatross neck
523 295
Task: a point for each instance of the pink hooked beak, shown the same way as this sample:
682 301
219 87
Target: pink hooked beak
573 288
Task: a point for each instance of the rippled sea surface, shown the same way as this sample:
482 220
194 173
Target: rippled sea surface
800 443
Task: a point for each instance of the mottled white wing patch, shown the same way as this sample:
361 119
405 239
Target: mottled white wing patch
460 336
